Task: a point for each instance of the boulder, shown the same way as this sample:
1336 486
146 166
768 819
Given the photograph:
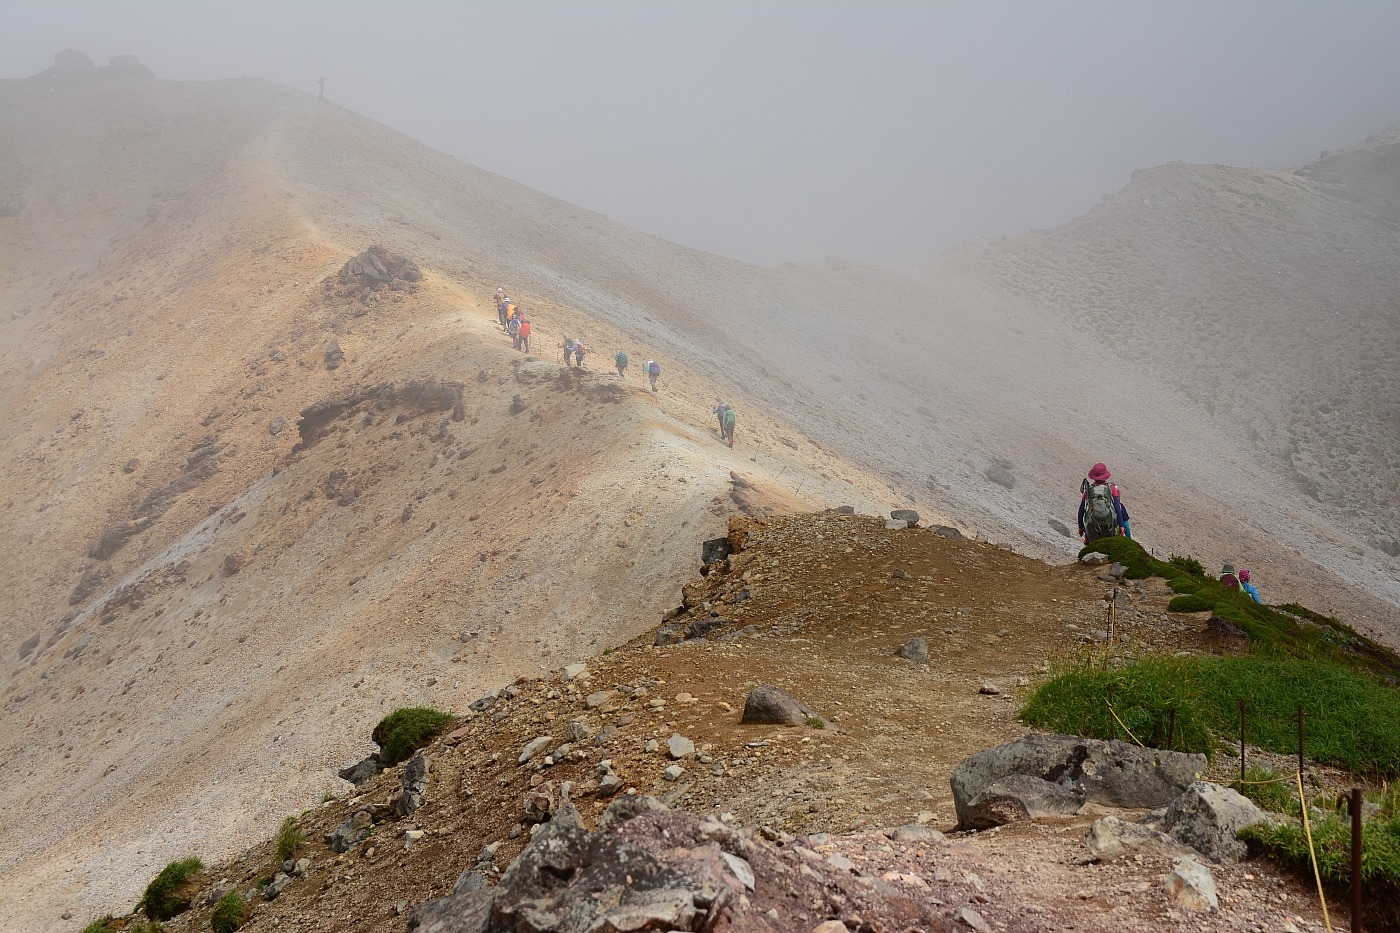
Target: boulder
629 807
1113 773
1208 818
1111 837
771 706
414 785
945 531
1061 527
1191 885
1001 476
915 649
1019 797
534 747
908 516
361 771
350 833
715 549
27 647
334 356
678 746
895 524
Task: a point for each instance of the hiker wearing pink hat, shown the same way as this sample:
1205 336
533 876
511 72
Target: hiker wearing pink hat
1101 510
1248 587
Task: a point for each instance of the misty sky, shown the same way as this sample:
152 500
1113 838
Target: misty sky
775 131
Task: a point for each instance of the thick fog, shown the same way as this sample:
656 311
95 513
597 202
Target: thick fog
793 131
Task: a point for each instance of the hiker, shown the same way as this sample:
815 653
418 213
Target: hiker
620 361
514 327
1249 587
579 351
1101 510
718 411
1228 578
503 312
500 296
653 373
728 431
524 335
568 349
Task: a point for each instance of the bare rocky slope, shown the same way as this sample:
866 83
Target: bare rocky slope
249 507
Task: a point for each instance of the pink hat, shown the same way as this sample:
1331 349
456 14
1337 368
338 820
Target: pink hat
1098 472
1244 575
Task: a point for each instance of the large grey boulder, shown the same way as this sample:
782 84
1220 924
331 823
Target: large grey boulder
775 707
1191 885
1019 797
909 516
350 833
363 770
1113 773
1208 818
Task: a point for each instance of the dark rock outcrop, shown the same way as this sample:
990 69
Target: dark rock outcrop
769 705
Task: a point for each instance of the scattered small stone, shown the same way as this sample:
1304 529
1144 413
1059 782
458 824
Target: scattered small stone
678 746
989 689
971 918
534 747
673 773
915 649
1191 885
575 671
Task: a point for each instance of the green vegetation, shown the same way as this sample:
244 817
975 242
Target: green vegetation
1188 565
1352 720
110 924
230 913
289 837
1269 790
404 731
1380 852
164 897
1289 631
816 722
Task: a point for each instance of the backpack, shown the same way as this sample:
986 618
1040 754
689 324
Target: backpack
729 417
621 359
1100 512
653 368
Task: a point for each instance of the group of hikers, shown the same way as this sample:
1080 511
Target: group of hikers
514 322
1103 515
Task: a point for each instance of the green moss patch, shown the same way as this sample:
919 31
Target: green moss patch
404 731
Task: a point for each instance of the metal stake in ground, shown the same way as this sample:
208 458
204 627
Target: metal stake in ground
1241 705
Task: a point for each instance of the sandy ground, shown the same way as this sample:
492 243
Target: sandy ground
163 308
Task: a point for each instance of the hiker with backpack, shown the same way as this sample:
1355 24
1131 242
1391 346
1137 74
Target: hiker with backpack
718 411
728 431
524 336
579 351
620 361
568 349
653 373
1228 577
513 326
1249 588
1101 510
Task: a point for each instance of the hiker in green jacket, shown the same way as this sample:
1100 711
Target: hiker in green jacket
729 424
621 361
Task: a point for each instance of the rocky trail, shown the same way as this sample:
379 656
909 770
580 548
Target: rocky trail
819 606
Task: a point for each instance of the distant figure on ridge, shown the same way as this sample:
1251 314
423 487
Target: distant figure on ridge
653 373
620 361
1249 587
728 431
1228 578
1101 510
513 327
718 411
568 349
524 335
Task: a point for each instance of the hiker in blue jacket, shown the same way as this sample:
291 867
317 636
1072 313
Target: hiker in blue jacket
1101 510
1248 587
